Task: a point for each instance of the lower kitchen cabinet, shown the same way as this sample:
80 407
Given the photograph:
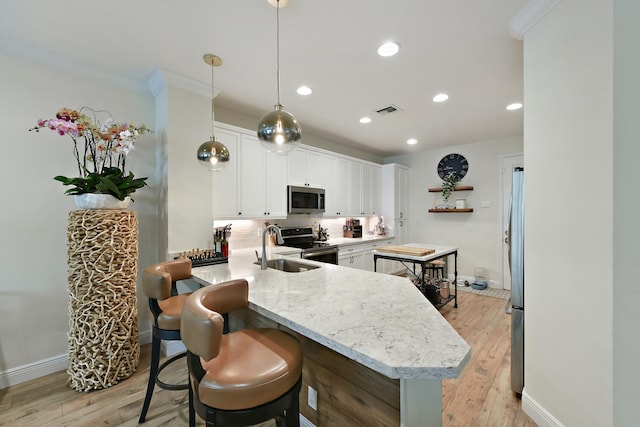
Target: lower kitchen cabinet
354 261
360 255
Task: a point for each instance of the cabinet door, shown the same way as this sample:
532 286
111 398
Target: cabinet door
366 189
352 261
226 188
276 183
355 188
252 181
298 167
336 186
317 164
376 172
401 193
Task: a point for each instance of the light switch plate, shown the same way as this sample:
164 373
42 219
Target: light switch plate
485 204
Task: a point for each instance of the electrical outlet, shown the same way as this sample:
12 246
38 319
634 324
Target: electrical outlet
259 232
312 398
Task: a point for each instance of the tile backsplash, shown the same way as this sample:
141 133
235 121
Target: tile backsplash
248 233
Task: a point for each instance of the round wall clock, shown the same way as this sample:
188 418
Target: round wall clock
455 163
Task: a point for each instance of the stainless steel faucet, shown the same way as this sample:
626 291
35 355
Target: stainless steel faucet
263 264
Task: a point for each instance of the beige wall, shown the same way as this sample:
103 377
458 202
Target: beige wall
569 205
33 216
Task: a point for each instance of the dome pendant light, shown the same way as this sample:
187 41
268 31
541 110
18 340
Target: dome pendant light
278 131
212 154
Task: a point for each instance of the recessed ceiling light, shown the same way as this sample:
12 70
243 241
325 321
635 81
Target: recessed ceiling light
365 120
441 97
412 141
304 90
514 106
388 49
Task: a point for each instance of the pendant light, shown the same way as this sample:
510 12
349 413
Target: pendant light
212 154
278 131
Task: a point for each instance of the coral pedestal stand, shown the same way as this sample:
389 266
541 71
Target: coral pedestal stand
103 316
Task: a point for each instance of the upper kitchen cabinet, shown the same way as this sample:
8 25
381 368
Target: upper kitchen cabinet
263 181
307 168
395 181
364 188
336 187
371 189
253 185
226 183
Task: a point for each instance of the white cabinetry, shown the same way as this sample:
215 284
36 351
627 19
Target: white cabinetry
371 189
360 255
307 168
253 185
355 188
226 183
336 187
395 184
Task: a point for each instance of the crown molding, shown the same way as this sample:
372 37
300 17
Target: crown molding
161 78
529 15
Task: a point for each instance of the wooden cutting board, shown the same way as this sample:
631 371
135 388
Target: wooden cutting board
406 250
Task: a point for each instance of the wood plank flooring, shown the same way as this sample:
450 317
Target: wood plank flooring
480 397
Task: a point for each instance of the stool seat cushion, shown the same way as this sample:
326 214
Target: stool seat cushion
171 308
254 366
437 262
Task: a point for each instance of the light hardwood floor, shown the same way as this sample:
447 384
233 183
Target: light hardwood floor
480 397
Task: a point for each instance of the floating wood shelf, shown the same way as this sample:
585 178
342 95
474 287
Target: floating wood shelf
451 210
458 188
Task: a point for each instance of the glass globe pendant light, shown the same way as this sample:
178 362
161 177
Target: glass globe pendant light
213 154
278 131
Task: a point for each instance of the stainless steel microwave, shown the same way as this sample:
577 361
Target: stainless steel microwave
305 200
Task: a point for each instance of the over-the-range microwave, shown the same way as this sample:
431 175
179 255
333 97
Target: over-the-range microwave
305 200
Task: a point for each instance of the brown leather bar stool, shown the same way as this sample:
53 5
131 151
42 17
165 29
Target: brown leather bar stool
159 285
436 269
243 377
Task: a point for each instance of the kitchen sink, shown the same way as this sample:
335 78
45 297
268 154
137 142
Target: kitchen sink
289 265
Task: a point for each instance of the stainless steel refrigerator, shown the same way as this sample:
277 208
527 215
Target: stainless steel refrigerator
516 262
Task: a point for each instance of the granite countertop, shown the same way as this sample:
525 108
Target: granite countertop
381 321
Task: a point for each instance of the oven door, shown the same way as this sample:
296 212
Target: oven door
330 256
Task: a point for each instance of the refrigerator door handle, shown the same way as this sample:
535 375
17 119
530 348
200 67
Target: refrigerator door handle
507 308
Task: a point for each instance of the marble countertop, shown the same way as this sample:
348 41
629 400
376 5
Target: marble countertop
344 241
381 321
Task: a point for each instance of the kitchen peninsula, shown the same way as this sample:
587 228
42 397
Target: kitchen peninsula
375 349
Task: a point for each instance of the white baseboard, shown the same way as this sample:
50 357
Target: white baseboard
537 413
34 370
44 367
305 422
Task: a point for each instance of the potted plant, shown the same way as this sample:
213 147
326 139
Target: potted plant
100 150
448 184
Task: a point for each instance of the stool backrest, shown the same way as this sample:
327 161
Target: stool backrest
202 324
158 279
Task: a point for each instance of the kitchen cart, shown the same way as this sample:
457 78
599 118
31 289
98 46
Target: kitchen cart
421 254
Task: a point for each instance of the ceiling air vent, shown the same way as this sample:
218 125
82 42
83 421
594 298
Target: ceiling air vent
388 109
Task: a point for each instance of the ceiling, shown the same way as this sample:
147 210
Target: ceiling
459 47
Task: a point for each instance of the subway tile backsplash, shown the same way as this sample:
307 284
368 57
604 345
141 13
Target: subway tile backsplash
247 233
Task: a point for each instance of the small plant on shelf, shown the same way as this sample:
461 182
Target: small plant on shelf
448 184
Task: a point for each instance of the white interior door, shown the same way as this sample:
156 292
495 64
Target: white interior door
509 162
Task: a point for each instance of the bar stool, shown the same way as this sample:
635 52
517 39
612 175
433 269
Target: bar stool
243 377
436 269
159 285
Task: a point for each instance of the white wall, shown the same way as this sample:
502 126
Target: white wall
626 229
33 216
569 205
478 235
